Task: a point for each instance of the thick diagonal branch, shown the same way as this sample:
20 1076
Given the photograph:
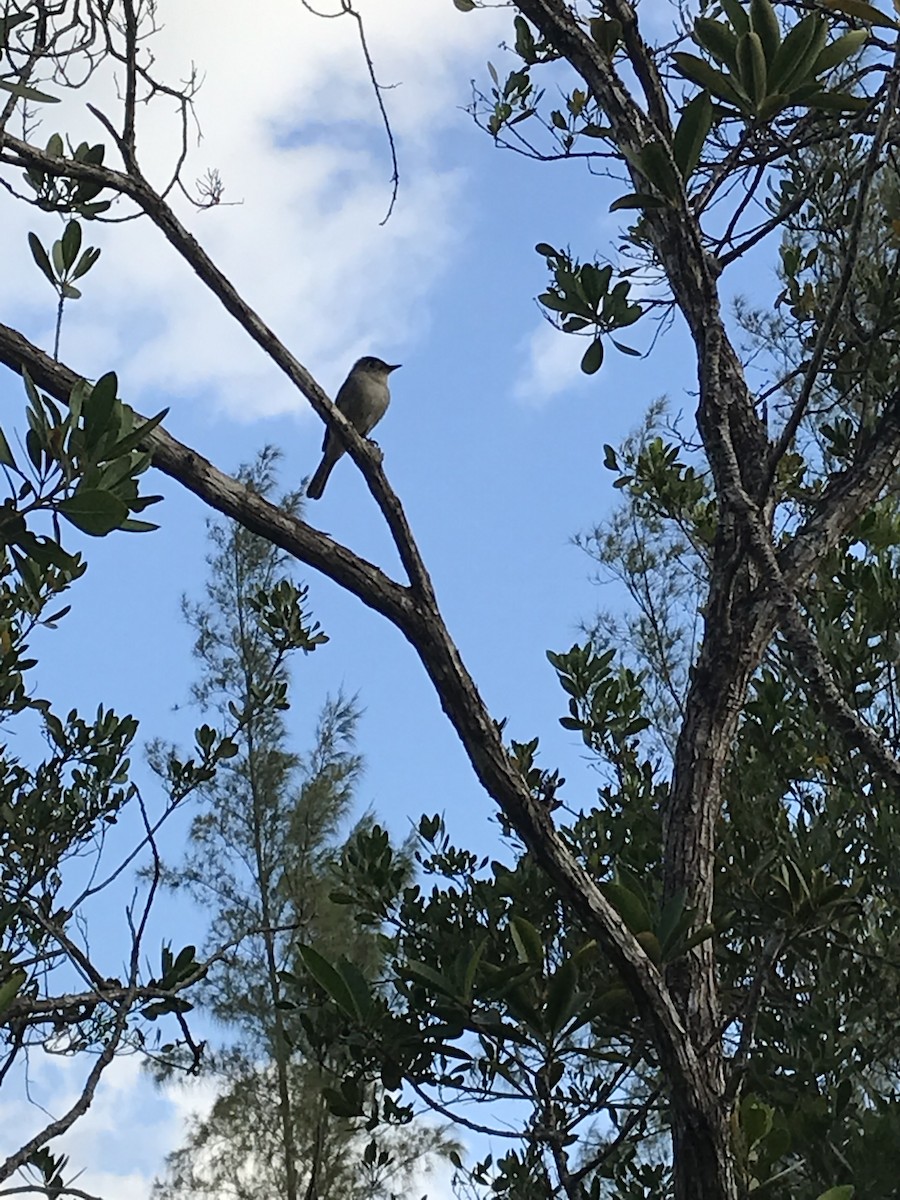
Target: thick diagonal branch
420 621
135 187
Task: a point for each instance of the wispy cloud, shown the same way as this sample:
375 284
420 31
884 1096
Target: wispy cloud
289 119
550 365
112 1164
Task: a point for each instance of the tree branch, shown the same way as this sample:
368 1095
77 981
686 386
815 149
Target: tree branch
133 185
421 623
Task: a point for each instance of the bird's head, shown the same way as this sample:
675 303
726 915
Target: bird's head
374 366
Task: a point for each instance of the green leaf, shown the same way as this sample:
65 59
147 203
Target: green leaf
77 396
593 358
555 1072
845 1192
737 15
840 49
137 436
184 964
837 102
553 301
86 261
671 917
797 53
358 986
606 33
699 71
39 254
27 93
338 1105
139 503
773 105
56 257
657 166
327 977
524 40
595 282
630 350
630 907
71 244
115 473
775 1144
89 211
425 974
562 997
46 550
691 133
472 970
87 191
94 512
34 449
632 883
527 940
464 5
6 454
632 313
649 943
756 1119
99 406
10 988
133 526
865 12
764 22
638 200
698 936
752 67
35 412
718 39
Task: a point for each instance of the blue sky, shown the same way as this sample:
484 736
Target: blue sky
493 440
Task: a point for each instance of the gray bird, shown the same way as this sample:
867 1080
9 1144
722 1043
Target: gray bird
363 399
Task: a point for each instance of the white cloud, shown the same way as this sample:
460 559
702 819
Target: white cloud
289 119
120 1144
550 365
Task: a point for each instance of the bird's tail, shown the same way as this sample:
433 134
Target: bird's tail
318 481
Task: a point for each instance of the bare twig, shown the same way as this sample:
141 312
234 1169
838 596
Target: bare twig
347 9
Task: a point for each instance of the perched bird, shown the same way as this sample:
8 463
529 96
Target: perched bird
363 399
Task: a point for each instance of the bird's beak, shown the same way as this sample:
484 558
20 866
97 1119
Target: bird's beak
394 367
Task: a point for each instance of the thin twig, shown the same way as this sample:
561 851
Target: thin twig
370 67
347 9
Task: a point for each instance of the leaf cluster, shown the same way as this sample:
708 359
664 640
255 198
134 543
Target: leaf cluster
580 297
56 193
762 74
83 466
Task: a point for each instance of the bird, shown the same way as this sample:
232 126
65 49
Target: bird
363 399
